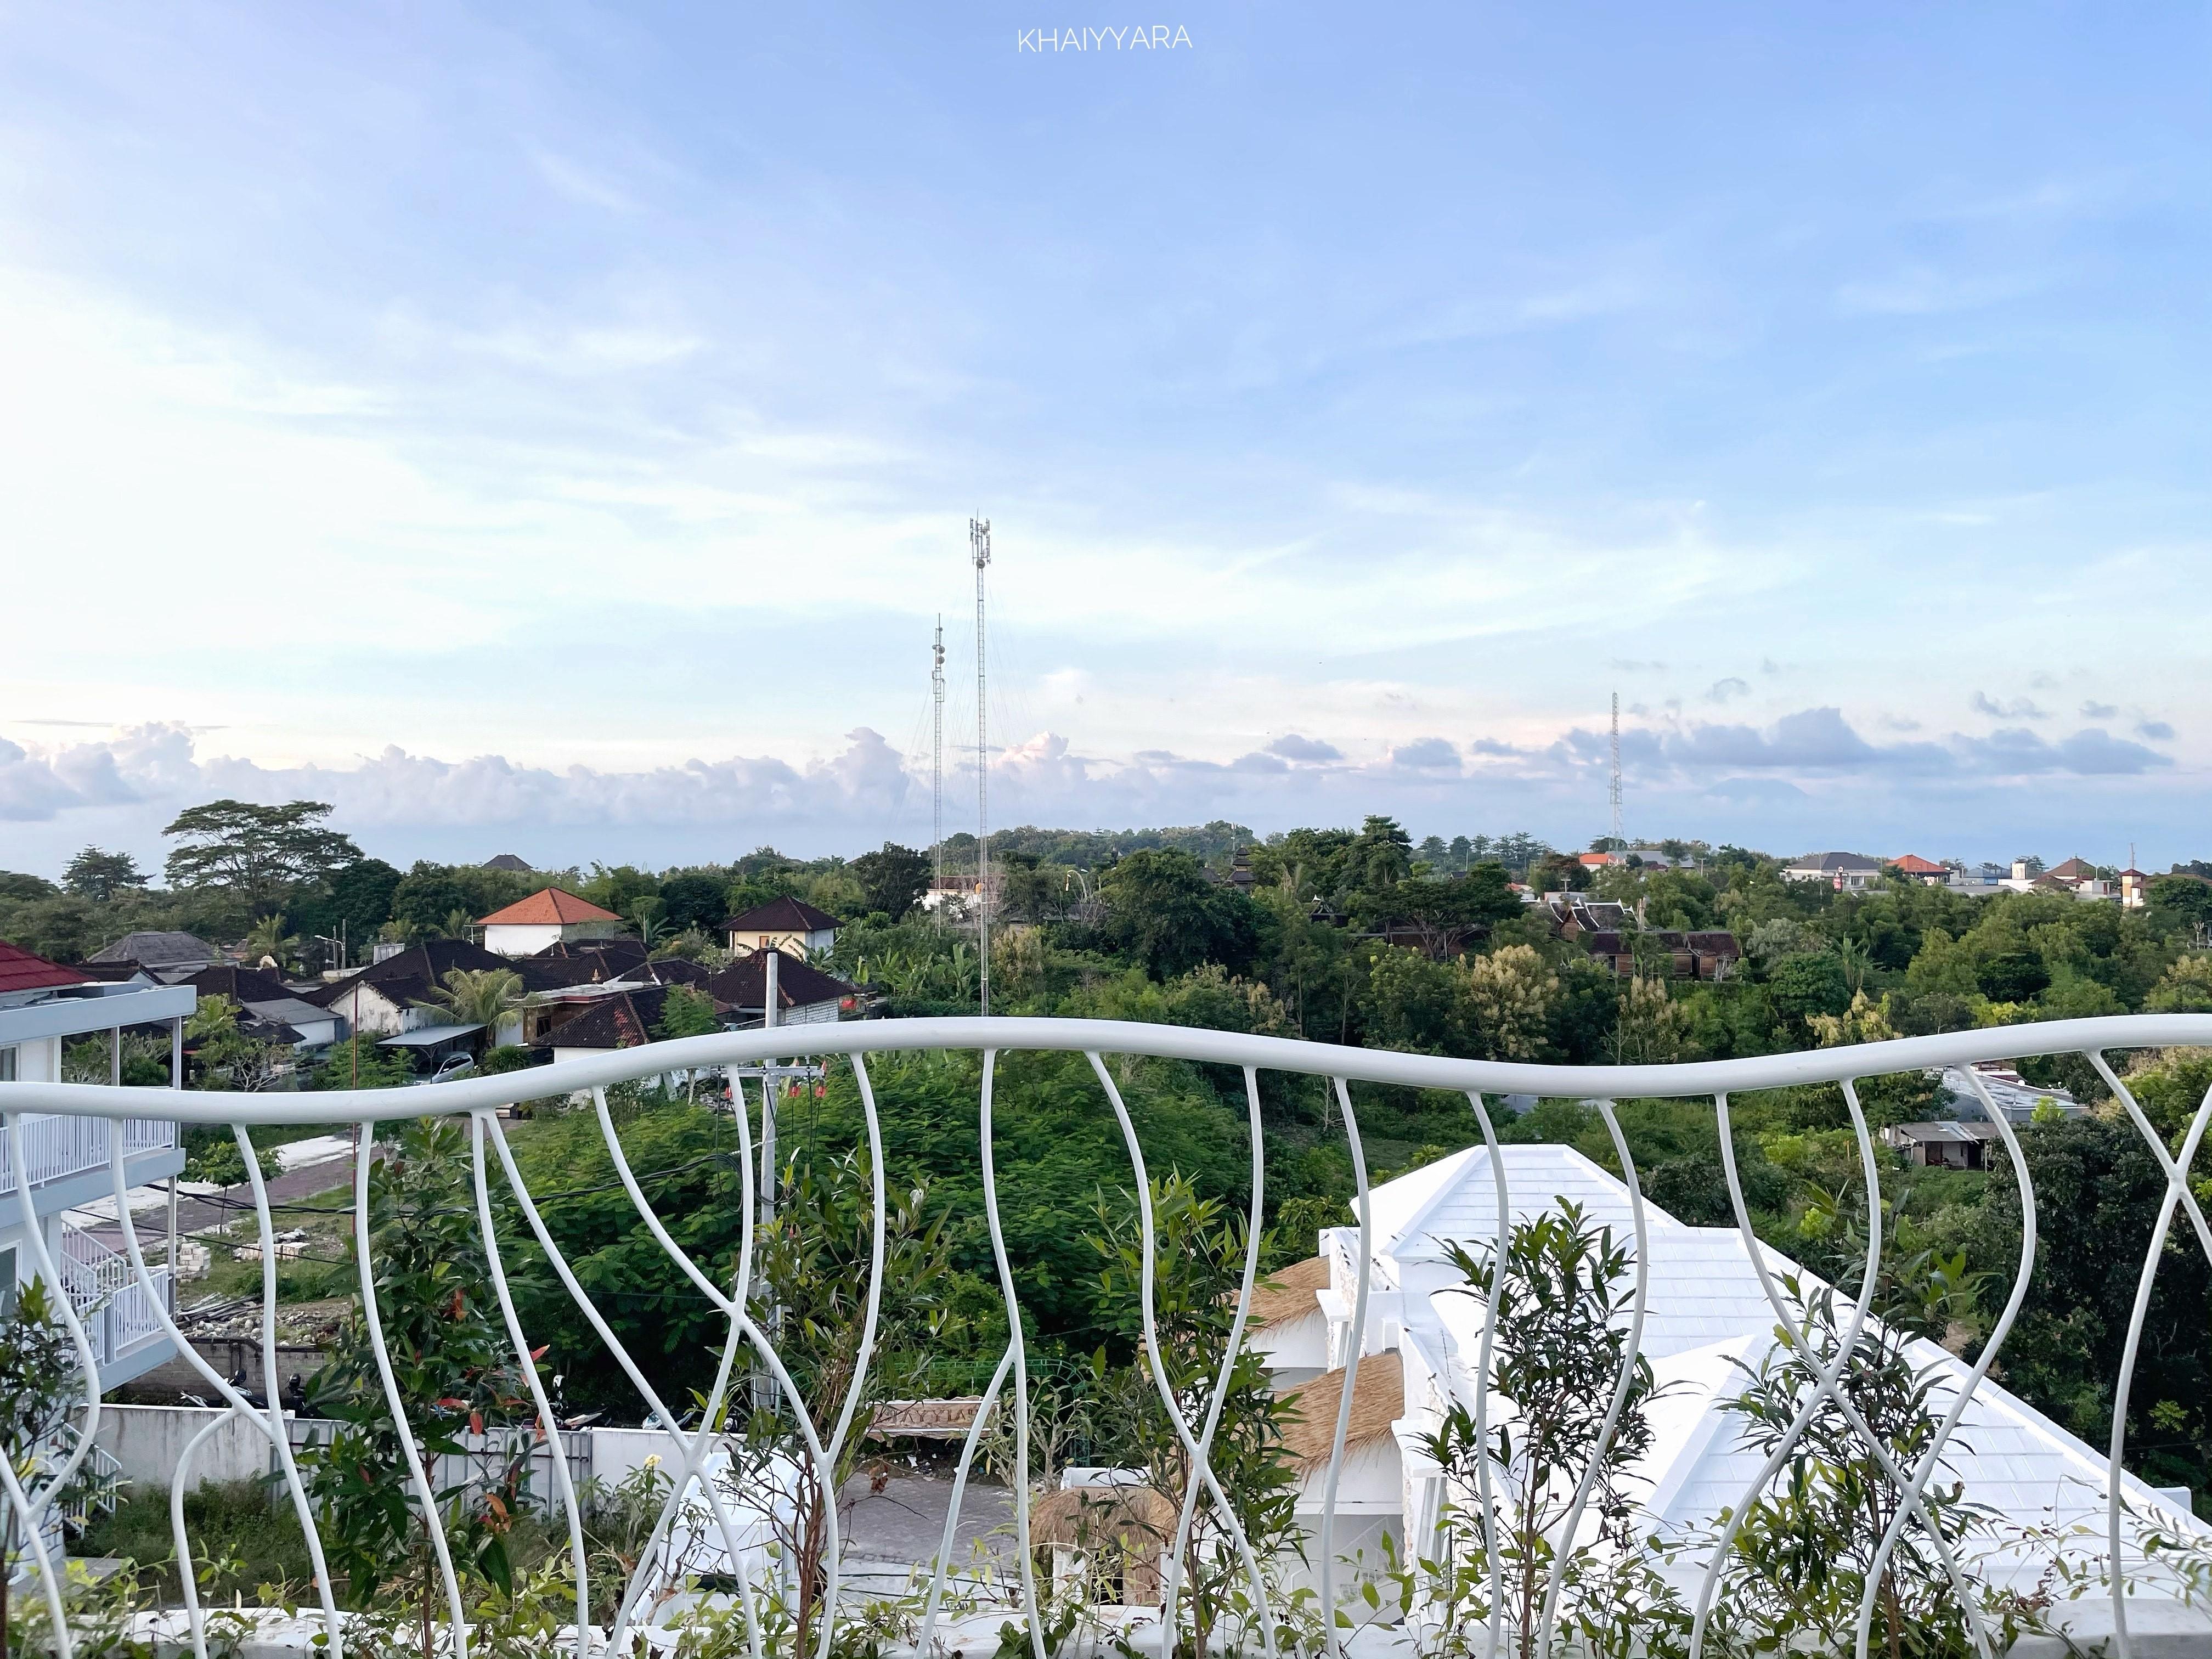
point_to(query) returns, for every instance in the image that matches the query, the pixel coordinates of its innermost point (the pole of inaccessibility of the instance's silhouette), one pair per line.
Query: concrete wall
(149, 1440)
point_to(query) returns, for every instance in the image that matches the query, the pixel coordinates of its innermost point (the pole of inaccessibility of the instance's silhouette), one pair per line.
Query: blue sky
(554, 429)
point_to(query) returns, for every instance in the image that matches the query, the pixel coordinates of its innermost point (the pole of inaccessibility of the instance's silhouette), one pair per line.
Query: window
(7, 1267)
(7, 1064)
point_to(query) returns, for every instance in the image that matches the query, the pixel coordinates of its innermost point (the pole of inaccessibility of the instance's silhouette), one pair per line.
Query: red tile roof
(21, 971)
(549, 907)
(1913, 864)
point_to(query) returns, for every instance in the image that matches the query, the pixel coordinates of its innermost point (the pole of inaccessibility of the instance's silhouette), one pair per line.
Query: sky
(555, 429)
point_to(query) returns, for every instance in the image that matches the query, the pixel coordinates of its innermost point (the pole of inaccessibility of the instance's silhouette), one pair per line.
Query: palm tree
(477, 996)
(267, 939)
(649, 914)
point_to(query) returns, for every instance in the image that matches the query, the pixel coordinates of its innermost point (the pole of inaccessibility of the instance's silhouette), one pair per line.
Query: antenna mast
(1615, 790)
(979, 549)
(937, 758)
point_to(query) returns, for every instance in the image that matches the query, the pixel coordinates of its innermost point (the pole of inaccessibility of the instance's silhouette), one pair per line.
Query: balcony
(57, 1146)
(1729, 1370)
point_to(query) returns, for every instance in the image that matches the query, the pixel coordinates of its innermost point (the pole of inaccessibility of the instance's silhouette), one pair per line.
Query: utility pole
(979, 547)
(1620, 840)
(937, 758)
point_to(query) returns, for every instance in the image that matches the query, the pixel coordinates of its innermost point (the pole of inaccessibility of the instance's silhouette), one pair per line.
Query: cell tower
(979, 549)
(937, 757)
(1614, 791)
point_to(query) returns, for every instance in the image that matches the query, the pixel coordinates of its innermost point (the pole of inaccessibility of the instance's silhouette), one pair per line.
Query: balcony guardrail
(56, 1146)
(813, 1456)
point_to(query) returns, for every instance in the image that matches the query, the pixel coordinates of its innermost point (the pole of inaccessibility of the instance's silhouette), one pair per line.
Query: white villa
(1705, 1312)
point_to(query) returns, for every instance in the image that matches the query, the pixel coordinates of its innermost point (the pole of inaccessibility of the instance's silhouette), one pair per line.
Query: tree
(696, 899)
(1563, 1291)
(227, 1057)
(1383, 856)
(98, 875)
(892, 880)
(1512, 994)
(478, 996)
(37, 1386)
(361, 898)
(259, 852)
(2185, 989)
(360, 1062)
(267, 937)
(686, 1013)
(1652, 1029)
(1161, 909)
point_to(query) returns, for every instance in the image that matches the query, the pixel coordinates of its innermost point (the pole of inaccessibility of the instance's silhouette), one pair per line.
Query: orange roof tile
(1913, 864)
(549, 907)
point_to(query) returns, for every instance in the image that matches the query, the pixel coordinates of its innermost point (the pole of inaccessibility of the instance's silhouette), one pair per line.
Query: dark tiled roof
(239, 984)
(20, 971)
(1714, 944)
(158, 951)
(623, 1020)
(783, 915)
(409, 976)
(624, 951)
(506, 861)
(744, 984)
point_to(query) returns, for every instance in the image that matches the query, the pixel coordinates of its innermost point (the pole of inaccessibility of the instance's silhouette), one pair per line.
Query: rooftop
(783, 915)
(20, 971)
(549, 907)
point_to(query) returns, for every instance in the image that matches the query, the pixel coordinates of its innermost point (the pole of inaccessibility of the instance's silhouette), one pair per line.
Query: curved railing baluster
(549, 1425)
(2176, 1187)
(1485, 1482)
(1826, 1376)
(1020, 1358)
(373, 1321)
(1198, 1449)
(1630, 1358)
(279, 1439)
(1355, 1340)
(33, 1502)
(687, 1453)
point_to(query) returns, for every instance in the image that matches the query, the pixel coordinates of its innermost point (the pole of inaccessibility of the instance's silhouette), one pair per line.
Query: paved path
(905, 1522)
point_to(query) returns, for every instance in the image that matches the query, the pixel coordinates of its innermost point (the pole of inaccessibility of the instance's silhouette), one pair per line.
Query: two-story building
(65, 1165)
(792, 926)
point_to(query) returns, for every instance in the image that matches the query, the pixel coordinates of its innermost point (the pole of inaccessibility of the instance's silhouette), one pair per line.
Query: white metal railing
(58, 1147)
(477, 1100)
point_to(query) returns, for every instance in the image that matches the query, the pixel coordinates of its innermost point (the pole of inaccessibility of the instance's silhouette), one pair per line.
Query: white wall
(149, 1440)
(519, 939)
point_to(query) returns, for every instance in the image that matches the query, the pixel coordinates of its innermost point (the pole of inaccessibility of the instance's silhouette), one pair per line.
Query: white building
(1705, 1312)
(45, 1008)
(1847, 873)
(792, 926)
(552, 916)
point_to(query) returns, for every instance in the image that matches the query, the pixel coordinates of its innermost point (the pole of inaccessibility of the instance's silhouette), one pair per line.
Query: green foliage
(687, 1012)
(360, 1063)
(1161, 909)
(454, 1371)
(892, 880)
(477, 996)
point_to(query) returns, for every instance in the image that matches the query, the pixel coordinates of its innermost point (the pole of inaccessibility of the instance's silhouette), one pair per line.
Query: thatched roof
(1288, 1294)
(1378, 1399)
(1138, 1519)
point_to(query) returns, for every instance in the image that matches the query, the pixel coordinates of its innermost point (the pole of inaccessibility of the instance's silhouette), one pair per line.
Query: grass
(232, 1522)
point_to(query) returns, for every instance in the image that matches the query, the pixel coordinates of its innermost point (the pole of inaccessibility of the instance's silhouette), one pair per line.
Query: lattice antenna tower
(979, 549)
(937, 757)
(1613, 791)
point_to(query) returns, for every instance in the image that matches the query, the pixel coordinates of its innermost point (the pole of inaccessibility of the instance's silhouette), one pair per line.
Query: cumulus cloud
(2158, 730)
(157, 764)
(1721, 691)
(2093, 710)
(1292, 747)
(2020, 709)
(1425, 754)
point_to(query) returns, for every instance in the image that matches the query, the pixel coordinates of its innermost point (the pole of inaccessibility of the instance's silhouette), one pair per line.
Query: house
(2015, 1097)
(1707, 1325)
(1919, 869)
(1942, 1145)
(1607, 932)
(792, 926)
(159, 950)
(1847, 873)
(44, 1008)
(585, 962)
(506, 861)
(1286, 1324)
(552, 916)
(620, 1017)
(2076, 876)
(2134, 888)
(269, 1003)
(805, 995)
(395, 997)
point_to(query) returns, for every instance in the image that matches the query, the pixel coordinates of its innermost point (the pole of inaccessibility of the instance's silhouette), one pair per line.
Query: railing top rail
(2123, 1031)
